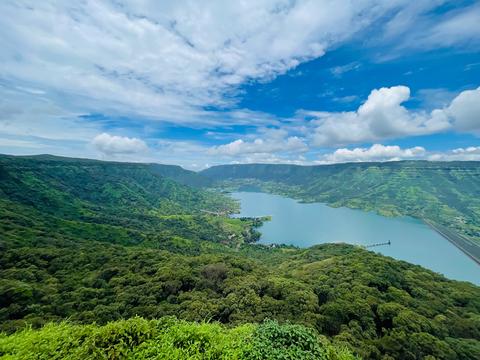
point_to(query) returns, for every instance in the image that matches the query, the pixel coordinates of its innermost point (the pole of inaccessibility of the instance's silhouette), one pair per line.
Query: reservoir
(304, 225)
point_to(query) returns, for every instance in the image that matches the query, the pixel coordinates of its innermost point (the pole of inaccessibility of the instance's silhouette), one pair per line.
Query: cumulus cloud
(113, 145)
(376, 152)
(475, 150)
(383, 116)
(239, 146)
(276, 140)
(471, 153)
(381, 153)
(465, 111)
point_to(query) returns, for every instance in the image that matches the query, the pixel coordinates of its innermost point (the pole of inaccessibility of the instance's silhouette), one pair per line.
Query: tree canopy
(127, 249)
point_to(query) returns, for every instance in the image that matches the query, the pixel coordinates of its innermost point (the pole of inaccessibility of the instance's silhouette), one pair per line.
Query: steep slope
(48, 198)
(70, 187)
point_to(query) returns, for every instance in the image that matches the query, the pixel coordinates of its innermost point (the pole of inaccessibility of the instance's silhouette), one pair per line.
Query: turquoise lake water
(305, 225)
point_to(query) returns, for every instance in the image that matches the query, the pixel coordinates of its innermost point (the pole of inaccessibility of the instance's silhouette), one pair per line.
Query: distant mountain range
(444, 194)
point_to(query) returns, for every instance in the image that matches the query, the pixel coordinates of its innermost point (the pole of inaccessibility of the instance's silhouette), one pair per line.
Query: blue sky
(278, 81)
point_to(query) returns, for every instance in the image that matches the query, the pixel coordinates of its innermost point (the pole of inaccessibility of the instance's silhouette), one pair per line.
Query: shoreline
(466, 246)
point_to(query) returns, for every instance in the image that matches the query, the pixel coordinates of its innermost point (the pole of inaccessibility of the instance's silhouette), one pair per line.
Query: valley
(443, 194)
(86, 244)
(308, 224)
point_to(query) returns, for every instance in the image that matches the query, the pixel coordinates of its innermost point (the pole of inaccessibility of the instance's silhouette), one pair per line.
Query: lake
(305, 225)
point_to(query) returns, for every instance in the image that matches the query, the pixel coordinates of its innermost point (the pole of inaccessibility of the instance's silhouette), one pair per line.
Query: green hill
(182, 176)
(73, 187)
(47, 198)
(97, 242)
(446, 194)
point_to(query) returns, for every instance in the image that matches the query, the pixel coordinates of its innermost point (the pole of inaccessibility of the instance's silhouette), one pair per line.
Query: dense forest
(115, 260)
(444, 194)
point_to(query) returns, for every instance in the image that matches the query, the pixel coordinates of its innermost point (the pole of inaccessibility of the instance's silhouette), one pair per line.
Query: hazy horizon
(159, 162)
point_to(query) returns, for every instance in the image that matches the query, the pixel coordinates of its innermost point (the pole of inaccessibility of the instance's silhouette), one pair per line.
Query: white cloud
(376, 152)
(434, 98)
(274, 141)
(35, 115)
(338, 71)
(112, 145)
(272, 159)
(465, 111)
(239, 147)
(414, 28)
(195, 155)
(173, 60)
(381, 153)
(346, 99)
(167, 60)
(17, 143)
(471, 153)
(457, 28)
(383, 116)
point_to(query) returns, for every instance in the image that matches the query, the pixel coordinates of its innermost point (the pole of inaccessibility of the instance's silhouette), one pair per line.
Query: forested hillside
(80, 187)
(60, 198)
(444, 193)
(180, 175)
(95, 242)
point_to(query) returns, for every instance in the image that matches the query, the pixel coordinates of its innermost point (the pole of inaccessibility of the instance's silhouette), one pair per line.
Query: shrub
(168, 338)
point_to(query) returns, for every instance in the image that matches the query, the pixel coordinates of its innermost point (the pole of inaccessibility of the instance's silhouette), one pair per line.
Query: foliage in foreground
(376, 306)
(169, 338)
